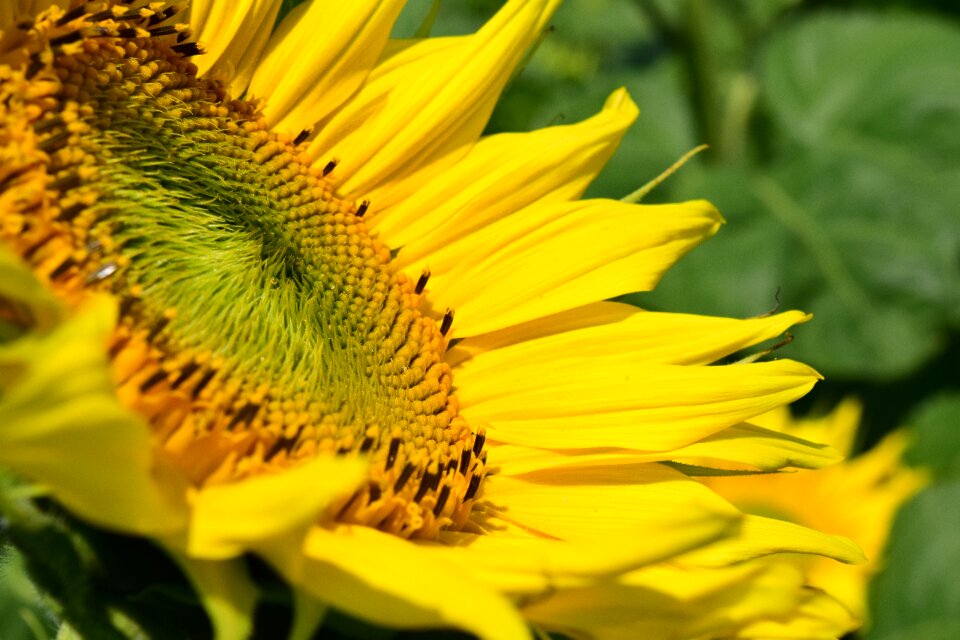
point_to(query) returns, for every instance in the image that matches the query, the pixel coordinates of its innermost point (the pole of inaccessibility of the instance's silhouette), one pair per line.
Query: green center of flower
(260, 323)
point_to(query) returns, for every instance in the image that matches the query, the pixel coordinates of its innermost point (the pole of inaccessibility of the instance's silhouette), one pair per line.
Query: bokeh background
(834, 133)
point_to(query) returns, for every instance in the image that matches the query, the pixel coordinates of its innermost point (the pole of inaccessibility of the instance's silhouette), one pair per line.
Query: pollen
(260, 323)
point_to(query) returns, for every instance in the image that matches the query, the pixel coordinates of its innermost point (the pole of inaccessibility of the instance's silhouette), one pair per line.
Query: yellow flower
(229, 292)
(857, 498)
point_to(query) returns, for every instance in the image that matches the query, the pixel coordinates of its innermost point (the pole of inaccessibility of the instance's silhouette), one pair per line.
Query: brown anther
(188, 370)
(404, 477)
(422, 282)
(188, 49)
(428, 482)
(165, 30)
(66, 183)
(303, 135)
(362, 209)
(202, 384)
(55, 141)
(102, 15)
(441, 500)
(465, 461)
(152, 381)
(392, 452)
(71, 15)
(35, 65)
(157, 327)
(73, 36)
(472, 488)
(478, 441)
(163, 15)
(329, 167)
(72, 211)
(447, 322)
(29, 253)
(247, 413)
(62, 268)
(117, 347)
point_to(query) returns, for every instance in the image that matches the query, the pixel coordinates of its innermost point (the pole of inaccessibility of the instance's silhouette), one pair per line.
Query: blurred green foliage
(834, 133)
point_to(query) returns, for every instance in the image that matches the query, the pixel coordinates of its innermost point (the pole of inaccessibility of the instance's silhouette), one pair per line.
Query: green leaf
(22, 616)
(854, 213)
(866, 109)
(918, 594)
(935, 430)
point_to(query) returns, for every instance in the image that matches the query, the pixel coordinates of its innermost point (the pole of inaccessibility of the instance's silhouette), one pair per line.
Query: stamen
(447, 322)
(188, 49)
(471, 492)
(152, 381)
(403, 477)
(441, 500)
(479, 440)
(422, 282)
(303, 135)
(188, 370)
(167, 13)
(392, 453)
(166, 30)
(71, 15)
(362, 209)
(73, 36)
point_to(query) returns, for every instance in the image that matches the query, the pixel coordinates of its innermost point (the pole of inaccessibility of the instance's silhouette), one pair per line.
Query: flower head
(287, 300)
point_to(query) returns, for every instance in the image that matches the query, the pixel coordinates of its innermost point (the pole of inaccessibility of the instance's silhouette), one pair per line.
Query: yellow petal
(765, 536)
(395, 583)
(318, 56)
(746, 447)
(58, 407)
(229, 519)
(226, 591)
(33, 307)
(816, 617)
(553, 257)
(500, 175)
(599, 504)
(662, 338)
(421, 105)
(670, 603)
(743, 447)
(511, 560)
(231, 33)
(838, 428)
(613, 402)
(590, 315)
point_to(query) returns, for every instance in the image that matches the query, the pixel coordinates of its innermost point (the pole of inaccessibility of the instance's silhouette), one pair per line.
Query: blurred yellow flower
(857, 498)
(229, 327)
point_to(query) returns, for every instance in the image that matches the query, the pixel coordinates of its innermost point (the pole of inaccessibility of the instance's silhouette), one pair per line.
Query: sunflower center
(260, 324)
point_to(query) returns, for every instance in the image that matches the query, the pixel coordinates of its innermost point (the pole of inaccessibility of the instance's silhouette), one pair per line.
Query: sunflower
(269, 291)
(857, 498)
